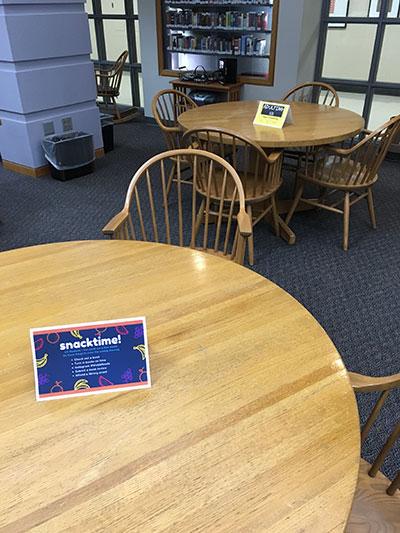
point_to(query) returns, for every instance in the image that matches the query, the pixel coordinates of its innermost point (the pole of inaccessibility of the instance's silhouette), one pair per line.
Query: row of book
(253, 21)
(222, 2)
(247, 45)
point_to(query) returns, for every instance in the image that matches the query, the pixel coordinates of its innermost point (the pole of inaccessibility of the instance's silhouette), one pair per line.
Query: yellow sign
(273, 114)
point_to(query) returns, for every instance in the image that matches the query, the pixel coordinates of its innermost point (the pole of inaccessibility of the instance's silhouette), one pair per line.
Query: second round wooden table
(250, 425)
(313, 124)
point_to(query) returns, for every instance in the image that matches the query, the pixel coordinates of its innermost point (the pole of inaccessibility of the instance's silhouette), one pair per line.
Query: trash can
(107, 129)
(70, 155)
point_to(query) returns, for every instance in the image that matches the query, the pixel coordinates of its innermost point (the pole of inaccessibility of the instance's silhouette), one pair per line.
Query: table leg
(284, 231)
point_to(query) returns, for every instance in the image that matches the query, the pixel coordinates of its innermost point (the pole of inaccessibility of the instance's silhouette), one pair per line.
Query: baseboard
(38, 172)
(27, 171)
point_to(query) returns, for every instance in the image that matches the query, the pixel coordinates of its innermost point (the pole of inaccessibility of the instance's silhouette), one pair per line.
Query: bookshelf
(198, 32)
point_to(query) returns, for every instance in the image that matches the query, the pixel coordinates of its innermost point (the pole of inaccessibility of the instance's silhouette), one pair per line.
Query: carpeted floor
(354, 295)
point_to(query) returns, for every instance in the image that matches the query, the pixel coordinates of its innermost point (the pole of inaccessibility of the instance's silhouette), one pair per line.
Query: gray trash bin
(70, 155)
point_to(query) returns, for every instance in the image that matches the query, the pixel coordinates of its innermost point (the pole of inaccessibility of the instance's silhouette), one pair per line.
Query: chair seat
(338, 177)
(254, 191)
(107, 91)
(373, 510)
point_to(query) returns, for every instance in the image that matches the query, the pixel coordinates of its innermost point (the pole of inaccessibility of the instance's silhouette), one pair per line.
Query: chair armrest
(361, 383)
(244, 223)
(112, 227)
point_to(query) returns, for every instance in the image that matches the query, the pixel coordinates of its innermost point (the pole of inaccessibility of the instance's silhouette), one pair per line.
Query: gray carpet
(354, 295)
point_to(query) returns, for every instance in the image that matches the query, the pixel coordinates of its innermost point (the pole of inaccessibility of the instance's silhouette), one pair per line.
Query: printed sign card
(273, 115)
(90, 358)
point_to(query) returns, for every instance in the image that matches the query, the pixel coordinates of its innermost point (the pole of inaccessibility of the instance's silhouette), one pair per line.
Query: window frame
(371, 86)
(132, 65)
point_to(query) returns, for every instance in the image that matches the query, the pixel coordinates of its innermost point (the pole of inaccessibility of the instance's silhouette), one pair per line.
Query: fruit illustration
(127, 376)
(122, 330)
(142, 375)
(40, 363)
(39, 343)
(57, 385)
(104, 382)
(142, 349)
(53, 338)
(81, 384)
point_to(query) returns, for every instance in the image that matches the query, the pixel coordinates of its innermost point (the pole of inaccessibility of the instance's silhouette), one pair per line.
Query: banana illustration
(75, 333)
(40, 363)
(81, 384)
(142, 349)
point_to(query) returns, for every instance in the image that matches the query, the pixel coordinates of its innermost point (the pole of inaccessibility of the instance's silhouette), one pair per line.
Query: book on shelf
(247, 45)
(252, 20)
(221, 2)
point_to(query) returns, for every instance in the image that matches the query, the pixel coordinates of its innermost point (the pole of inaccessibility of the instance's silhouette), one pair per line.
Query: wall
(45, 75)
(310, 29)
(295, 58)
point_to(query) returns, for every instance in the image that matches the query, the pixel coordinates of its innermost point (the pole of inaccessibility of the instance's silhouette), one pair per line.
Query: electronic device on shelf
(228, 68)
(226, 73)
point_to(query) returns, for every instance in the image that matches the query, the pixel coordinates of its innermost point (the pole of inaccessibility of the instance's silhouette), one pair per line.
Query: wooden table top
(250, 425)
(313, 124)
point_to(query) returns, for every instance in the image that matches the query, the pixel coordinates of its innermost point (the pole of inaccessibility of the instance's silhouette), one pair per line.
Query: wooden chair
(349, 172)
(260, 173)
(183, 217)
(109, 82)
(376, 506)
(313, 92)
(166, 106)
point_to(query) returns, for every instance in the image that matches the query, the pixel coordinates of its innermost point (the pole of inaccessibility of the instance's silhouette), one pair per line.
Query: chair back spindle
(181, 216)
(384, 385)
(109, 80)
(167, 105)
(260, 173)
(313, 92)
(356, 166)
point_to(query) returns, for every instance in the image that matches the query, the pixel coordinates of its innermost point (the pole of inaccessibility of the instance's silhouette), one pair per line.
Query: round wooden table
(250, 425)
(313, 124)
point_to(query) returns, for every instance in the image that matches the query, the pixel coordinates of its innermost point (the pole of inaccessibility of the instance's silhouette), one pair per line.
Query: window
(358, 55)
(114, 27)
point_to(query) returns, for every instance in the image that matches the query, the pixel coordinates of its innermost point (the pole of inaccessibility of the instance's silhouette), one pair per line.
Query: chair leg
(346, 221)
(116, 109)
(371, 207)
(296, 180)
(322, 194)
(171, 178)
(395, 485)
(275, 215)
(250, 240)
(295, 203)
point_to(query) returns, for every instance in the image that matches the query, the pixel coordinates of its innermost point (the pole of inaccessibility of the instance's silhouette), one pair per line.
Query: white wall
(295, 56)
